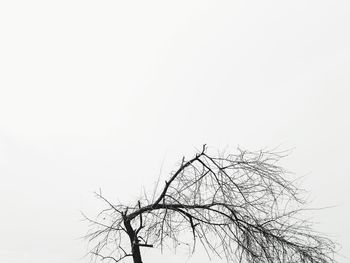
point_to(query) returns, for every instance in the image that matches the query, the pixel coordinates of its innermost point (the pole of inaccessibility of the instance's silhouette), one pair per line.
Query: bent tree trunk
(135, 248)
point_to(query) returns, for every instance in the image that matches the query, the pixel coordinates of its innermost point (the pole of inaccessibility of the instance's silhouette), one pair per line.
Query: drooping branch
(240, 205)
(111, 258)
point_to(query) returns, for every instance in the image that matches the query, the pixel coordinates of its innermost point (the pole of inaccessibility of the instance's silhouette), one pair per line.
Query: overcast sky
(98, 94)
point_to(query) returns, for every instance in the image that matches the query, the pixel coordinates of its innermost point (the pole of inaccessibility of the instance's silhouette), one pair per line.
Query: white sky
(100, 93)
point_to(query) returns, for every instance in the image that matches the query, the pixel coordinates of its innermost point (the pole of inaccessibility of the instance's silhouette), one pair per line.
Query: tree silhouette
(237, 206)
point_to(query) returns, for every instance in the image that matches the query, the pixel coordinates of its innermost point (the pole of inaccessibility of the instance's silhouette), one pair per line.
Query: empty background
(106, 94)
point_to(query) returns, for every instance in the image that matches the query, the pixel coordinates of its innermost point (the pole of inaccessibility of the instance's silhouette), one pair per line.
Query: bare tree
(240, 206)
